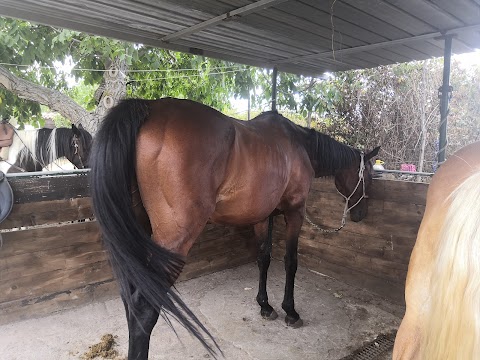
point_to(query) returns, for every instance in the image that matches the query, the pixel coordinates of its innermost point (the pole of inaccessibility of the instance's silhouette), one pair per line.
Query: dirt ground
(338, 319)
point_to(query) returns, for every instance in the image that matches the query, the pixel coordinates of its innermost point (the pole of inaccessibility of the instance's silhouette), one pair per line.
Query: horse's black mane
(328, 153)
(63, 143)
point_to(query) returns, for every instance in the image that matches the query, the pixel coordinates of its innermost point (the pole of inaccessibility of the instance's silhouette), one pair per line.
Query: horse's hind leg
(141, 321)
(264, 241)
(142, 317)
(294, 221)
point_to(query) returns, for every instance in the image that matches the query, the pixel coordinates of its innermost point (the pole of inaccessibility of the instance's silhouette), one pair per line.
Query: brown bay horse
(161, 169)
(442, 293)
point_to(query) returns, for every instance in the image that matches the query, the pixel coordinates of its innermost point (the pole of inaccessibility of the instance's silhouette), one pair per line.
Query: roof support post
(445, 93)
(274, 88)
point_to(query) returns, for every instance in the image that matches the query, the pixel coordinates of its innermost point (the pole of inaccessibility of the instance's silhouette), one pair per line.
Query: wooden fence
(373, 253)
(52, 258)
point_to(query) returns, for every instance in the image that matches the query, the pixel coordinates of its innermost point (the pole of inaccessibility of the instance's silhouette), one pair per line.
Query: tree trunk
(309, 118)
(114, 89)
(54, 99)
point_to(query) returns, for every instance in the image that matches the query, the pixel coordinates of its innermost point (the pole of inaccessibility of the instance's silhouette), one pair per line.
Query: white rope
(346, 209)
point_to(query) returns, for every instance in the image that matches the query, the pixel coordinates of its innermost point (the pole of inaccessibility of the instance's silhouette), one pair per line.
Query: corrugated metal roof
(300, 36)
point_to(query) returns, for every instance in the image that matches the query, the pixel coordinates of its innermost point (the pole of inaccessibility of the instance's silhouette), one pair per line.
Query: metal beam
(445, 94)
(382, 44)
(244, 10)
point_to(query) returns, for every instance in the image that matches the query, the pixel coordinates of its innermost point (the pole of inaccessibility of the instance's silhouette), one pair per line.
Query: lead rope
(346, 209)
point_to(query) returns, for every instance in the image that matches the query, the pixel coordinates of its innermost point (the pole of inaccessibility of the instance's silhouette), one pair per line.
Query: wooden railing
(52, 258)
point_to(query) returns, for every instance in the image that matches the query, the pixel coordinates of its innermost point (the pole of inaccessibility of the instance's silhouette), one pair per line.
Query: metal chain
(328, 231)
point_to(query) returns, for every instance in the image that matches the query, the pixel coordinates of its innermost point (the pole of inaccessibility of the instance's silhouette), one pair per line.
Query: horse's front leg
(293, 220)
(141, 321)
(263, 237)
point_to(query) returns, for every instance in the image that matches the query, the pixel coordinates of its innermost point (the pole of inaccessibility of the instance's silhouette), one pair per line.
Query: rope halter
(75, 143)
(346, 209)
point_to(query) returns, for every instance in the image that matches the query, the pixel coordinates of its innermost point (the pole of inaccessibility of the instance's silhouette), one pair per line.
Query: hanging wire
(183, 76)
(239, 68)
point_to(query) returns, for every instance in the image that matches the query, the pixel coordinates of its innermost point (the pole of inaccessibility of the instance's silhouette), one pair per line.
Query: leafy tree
(102, 67)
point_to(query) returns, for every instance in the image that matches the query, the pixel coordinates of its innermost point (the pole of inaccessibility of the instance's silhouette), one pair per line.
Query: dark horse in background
(33, 150)
(161, 169)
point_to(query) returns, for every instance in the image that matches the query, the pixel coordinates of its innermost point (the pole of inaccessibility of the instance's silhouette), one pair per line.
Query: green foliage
(161, 73)
(157, 72)
(82, 94)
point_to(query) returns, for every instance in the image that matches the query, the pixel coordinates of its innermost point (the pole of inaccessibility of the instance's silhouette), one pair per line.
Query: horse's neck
(39, 148)
(328, 155)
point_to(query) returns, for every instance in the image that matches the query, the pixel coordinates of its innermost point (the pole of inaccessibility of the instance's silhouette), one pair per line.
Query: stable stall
(55, 274)
(350, 282)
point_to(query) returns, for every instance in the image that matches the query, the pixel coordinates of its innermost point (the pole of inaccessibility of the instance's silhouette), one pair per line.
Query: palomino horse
(33, 150)
(442, 320)
(166, 167)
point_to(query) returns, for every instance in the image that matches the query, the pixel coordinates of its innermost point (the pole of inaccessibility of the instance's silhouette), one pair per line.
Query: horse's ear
(80, 126)
(372, 153)
(76, 130)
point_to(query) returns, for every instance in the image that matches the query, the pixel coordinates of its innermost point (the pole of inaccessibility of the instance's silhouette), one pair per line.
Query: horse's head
(80, 147)
(353, 183)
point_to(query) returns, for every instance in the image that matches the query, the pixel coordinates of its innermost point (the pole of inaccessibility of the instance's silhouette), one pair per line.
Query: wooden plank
(41, 261)
(379, 285)
(352, 260)
(355, 260)
(391, 219)
(54, 281)
(396, 249)
(226, 261)
(32, 240)
(405, 192)
(48, 212)
(393, 291)
(393, 190)
(43, 188)
(63, 300)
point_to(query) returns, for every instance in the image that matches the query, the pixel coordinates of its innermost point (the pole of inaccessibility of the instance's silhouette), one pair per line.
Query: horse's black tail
(136, 260)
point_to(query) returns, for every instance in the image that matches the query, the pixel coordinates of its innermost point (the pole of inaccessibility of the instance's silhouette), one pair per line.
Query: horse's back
(426, 284)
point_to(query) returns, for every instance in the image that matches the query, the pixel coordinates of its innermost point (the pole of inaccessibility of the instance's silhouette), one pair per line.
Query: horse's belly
(243, 209)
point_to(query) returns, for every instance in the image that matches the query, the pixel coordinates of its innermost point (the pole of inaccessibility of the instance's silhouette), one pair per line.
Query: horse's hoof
(293, 323)
(272, 316)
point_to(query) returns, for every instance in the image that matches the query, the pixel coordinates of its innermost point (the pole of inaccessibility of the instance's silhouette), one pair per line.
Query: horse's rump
(452, 330)
(442, 319)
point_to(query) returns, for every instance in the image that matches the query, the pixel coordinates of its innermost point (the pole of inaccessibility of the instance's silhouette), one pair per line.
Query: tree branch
(54, 99)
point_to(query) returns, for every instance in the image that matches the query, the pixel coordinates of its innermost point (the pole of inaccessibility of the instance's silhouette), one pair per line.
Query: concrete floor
(338, 320)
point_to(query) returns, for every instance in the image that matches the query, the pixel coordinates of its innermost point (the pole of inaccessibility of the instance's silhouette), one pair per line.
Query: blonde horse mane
(452, 330)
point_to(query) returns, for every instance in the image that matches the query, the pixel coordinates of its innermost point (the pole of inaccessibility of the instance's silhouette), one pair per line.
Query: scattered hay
(104, 349)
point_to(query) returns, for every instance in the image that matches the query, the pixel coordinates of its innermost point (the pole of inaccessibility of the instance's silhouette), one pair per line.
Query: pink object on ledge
(408, 167)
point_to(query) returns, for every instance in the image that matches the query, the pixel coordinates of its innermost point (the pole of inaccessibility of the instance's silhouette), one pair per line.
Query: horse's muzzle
(359, 212)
